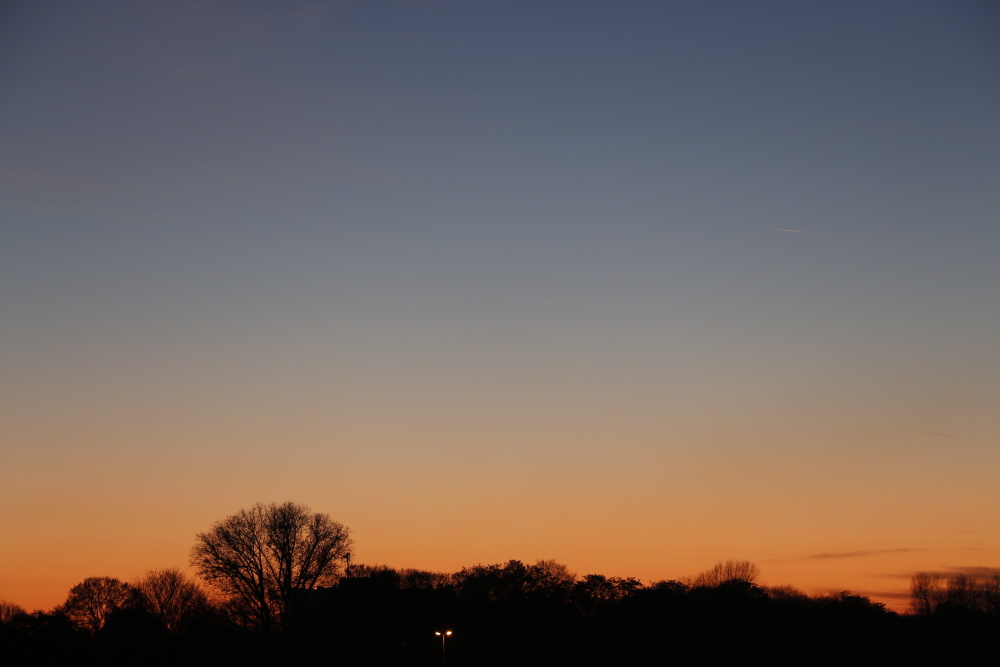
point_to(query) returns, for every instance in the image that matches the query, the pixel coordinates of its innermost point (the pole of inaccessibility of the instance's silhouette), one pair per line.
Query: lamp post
(443, 634)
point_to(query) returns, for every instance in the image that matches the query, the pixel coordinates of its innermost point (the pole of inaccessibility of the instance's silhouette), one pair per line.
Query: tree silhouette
(957, 595)
(502, 614)
(724, 571)
(991, 595)
(9, 610)
(172, 597)
(265, 556)
(514, 580)
(962, 595)
(597, 588)
(92, 601)
(550, 576)
(925, 593)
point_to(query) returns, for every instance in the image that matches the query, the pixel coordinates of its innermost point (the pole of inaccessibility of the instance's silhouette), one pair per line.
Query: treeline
(957, 595)
(281, 592)
(499, 614)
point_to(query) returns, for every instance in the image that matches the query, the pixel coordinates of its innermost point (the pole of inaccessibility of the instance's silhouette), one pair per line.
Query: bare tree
(991, 595)
(9, 610)
(173, 598)
(926, 593)
(963, 595)
(729, 570)
(960, 593)
(92, 601)
(265, 556)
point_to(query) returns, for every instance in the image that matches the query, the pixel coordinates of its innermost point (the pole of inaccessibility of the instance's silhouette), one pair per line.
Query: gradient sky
(637, 286)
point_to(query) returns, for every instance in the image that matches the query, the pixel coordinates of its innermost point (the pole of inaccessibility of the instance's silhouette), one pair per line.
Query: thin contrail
(797, 231)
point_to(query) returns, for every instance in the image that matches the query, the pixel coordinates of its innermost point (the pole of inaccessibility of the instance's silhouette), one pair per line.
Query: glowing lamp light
(443, 635)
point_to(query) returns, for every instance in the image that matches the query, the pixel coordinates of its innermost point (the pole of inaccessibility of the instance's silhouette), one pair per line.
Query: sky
(636, 286)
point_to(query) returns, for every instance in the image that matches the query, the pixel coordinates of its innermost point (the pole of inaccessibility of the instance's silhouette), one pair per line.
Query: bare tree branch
(263, 555)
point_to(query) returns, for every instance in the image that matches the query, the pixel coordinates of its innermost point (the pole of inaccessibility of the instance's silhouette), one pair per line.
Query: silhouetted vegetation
(958, 595)
(509, 613)
(92, 602)
(262, 558)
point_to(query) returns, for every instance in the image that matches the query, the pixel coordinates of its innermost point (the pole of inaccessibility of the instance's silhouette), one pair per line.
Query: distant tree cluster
(9, 611)
(955, 595)
(280, 590)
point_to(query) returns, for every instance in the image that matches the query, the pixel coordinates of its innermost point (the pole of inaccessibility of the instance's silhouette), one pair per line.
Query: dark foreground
(373, 622)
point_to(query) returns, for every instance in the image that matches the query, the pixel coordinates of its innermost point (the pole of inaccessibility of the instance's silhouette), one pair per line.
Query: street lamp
(443, 635)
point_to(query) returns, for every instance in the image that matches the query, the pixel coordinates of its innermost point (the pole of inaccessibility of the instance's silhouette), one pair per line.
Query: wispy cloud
(971, 571)
(975, 571)
(859, 554)
(889, 595)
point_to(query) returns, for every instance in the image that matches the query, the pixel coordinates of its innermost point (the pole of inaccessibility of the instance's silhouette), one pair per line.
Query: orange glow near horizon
(878, 564)
(817, 519)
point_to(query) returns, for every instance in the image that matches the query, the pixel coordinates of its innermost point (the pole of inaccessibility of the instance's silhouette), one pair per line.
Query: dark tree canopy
(92, 601)
(172, 597)
(264, 555)
(508, 613)
(9, 611)
(514, 579)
